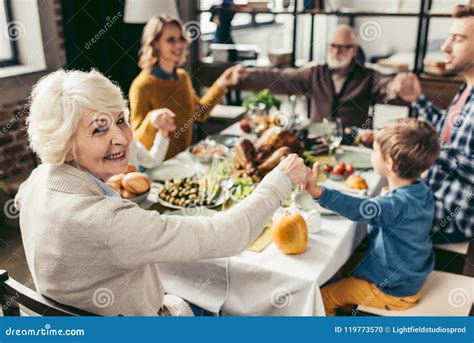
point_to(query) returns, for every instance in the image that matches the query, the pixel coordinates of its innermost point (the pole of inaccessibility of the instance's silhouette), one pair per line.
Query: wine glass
(334, 132)
(223, 171)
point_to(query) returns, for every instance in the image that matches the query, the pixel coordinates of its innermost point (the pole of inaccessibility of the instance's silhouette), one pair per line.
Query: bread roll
(135, 182)
(114, 186)
(356, 182)
(115, 181)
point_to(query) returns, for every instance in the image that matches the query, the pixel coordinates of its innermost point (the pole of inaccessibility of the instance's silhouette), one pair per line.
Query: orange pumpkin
(290, 234)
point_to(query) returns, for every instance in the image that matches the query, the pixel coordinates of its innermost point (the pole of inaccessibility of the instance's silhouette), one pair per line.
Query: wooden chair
(13, 294)
(455, 258)
(444, 294)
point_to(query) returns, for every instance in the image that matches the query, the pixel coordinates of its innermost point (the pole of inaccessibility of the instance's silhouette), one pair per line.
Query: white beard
(338, 64)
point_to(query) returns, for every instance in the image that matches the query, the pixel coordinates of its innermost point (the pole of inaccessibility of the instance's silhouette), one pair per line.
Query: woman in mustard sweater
(161, 84)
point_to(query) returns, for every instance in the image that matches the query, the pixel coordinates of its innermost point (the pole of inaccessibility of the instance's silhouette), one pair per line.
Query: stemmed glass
(334, 132)
(223, 171)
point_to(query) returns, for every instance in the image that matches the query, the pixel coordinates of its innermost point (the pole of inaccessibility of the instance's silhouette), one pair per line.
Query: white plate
(305, 202)
(221, 199)
(141, 198)
(192, 212)
(171, 170)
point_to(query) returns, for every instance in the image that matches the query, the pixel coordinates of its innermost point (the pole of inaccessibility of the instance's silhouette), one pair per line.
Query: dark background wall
(96, 37)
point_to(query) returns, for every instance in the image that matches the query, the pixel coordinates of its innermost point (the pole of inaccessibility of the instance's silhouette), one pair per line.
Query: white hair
(58, 101)
(347, 29)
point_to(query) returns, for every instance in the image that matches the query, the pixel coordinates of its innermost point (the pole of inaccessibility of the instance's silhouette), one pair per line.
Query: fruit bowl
(339, 172)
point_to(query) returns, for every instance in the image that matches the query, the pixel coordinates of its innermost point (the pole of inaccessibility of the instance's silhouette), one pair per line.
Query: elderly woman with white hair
(80, 238)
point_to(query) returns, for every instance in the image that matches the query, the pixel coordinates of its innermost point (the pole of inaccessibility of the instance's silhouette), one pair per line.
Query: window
(10, 31)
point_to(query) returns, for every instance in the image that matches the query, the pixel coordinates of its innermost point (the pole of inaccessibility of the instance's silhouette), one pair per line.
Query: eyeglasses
(174, 40)
(341, 47)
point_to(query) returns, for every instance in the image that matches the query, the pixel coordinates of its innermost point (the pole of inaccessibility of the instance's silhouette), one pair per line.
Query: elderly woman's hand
(163, 120)
(293, 166)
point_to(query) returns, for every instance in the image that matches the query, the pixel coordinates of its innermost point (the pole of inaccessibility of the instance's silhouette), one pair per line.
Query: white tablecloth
(269, 282)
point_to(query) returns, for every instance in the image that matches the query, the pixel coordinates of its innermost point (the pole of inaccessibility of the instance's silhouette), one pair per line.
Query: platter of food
(241, 188)
(191, 192)
(256, 159)
(205, 150)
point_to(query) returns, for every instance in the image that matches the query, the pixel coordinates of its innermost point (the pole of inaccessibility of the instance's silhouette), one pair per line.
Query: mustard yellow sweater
(148, 92)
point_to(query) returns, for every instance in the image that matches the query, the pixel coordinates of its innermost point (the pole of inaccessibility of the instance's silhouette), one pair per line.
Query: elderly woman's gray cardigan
(82, 245)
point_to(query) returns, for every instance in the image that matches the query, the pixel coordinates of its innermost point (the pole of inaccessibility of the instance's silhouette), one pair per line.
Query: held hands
(406, 86)
(231, 76)
(163, 120)
(312, 187)
(293, 166)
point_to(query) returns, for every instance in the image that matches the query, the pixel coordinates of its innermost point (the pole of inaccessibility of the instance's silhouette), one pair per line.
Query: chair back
(13, 294)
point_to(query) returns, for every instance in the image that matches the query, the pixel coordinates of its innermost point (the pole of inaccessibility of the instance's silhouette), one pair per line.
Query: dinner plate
(171, 170)
(192, 212)
(220, 200)
(226, 139)
(359, 159)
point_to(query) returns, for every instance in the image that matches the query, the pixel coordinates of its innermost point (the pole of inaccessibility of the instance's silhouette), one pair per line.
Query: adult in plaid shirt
(452, 176)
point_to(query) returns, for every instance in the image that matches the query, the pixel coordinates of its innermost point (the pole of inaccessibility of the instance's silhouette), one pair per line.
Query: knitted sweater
(148, 93)
(101, 254)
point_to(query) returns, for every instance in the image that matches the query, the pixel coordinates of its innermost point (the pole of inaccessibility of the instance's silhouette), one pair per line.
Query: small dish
(141, 198)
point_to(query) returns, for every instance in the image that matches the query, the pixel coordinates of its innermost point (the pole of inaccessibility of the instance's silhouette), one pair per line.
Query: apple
(349, 169)
(327, 168)
(339, 170)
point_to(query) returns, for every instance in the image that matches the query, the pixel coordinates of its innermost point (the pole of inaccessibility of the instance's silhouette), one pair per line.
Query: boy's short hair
(412, 144)
(463, 11)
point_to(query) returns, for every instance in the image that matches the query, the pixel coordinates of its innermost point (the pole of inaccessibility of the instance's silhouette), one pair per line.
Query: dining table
(267, 283)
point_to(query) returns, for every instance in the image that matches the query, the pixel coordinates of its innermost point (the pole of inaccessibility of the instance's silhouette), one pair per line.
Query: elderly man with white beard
(340, 88)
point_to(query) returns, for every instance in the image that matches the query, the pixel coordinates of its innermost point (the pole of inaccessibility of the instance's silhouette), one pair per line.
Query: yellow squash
(290, 234)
